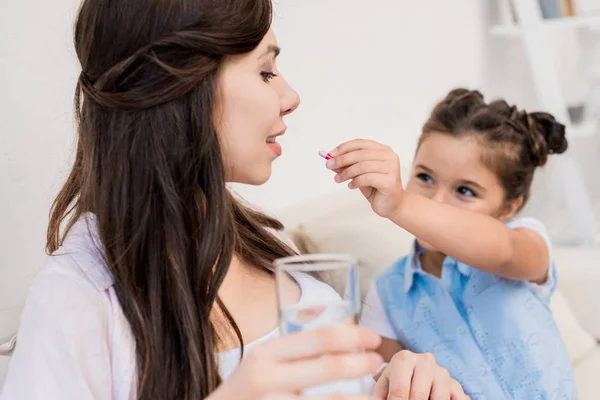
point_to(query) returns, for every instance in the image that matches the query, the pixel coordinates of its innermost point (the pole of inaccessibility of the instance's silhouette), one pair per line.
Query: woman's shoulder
(70, 293)
(62, 295)
(67, 320)
(81, 256)
(73, 275)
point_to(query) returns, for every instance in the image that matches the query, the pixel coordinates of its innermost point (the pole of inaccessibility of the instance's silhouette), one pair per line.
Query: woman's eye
(424, 177)
(465, 191)
(267, 76)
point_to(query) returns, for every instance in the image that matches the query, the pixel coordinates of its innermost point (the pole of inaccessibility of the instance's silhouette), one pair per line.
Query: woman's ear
(510, 208)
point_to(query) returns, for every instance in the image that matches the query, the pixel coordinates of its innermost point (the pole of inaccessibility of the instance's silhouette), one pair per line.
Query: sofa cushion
(586, 376)
(374, 241)
(579, 343)
(579, 280)
(3, 368)
(9, 323)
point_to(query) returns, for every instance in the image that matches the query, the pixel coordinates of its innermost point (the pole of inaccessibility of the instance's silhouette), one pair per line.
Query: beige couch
(344, 223)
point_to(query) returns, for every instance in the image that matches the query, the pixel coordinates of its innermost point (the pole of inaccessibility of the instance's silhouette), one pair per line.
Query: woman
(159, 275)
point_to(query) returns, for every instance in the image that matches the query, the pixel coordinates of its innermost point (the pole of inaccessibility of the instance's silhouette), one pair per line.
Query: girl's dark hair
(149, 167)
(515, 142)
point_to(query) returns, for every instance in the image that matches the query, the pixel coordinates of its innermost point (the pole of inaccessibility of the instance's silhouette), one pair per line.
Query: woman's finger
(361, 168)
(356, 144)
(314, 343)
(357, 156)
(299, 375)
(442, 385)
(319, 397)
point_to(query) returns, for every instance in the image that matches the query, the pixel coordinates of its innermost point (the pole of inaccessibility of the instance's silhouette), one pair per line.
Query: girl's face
(252, 99)
(450, 170)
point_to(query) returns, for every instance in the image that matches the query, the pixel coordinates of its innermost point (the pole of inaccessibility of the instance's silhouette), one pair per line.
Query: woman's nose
(290, 100)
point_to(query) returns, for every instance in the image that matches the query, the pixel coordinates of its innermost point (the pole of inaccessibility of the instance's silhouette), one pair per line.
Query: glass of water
(320, 305)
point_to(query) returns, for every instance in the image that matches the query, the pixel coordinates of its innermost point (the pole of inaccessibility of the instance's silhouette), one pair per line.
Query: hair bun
(465, 100)
(458, 105)
(547, 136)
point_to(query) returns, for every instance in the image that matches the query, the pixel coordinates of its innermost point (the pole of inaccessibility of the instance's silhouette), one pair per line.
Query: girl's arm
(475, 239)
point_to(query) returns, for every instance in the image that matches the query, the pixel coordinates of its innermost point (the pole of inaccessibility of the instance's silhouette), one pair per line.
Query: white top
(312, 290)
(74, 341)
(374, 316)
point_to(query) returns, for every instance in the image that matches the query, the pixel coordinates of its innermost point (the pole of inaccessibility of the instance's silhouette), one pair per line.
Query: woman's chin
(254, 177)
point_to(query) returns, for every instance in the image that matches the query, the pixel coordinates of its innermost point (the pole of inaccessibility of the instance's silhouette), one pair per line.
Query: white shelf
(591, 22)
(532, 29)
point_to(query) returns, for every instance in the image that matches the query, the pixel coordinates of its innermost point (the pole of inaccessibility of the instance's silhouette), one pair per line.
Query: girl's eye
(465, 191)
(267, 76)
(424, 177)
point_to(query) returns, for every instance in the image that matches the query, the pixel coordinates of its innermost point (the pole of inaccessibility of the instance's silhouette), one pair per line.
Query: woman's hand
(282, 368)
(374, 169)
(411, 376)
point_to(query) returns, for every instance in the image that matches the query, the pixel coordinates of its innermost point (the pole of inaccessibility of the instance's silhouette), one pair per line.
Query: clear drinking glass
(324, 307)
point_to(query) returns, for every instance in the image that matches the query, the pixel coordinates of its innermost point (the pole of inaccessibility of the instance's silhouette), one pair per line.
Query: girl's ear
(509, 209)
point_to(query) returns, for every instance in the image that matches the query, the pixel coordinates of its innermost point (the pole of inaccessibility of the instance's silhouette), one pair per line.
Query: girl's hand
(374, 169)
(282, 368)
(411, 376)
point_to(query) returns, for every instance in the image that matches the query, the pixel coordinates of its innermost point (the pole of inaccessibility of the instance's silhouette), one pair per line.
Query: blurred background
(371, 69)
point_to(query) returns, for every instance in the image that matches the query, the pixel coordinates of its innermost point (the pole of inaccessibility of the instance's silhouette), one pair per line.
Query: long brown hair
(149, 167)
(517, 142)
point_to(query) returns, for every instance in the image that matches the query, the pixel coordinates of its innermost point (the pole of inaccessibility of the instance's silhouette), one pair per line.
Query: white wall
(37, 79)
(362, 71)
(365, 71)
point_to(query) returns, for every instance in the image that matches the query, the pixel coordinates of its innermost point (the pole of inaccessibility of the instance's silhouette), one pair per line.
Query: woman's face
(252, 98)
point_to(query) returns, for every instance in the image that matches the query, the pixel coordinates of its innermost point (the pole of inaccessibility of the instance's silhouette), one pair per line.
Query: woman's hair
(149, 167)
(514, 142)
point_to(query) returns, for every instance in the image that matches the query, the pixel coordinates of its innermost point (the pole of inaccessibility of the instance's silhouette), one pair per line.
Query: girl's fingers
(423, 378)
(357, 144)
(442, 385)
(395, 381)
(457, 392)
(381, 182)
(361, 168)
(354, 157)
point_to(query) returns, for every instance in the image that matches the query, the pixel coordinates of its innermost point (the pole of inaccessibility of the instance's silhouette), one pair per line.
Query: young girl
(475, 288)
(158, 275)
